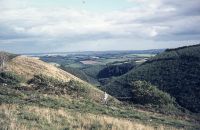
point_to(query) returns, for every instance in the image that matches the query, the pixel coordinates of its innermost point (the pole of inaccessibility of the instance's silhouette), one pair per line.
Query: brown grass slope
(27, 67)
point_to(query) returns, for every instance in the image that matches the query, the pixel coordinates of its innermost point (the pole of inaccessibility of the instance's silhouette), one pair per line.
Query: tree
(3, 60)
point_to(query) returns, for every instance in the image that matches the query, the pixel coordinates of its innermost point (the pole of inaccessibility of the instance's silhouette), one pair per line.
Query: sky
(37, 26)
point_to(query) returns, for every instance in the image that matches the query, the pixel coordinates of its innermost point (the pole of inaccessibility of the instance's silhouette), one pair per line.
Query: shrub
(145, 93)
(10, 78)
(51, 85)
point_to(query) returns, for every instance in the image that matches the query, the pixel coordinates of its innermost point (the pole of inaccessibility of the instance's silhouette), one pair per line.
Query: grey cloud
(7, 32)
(173, 20)
(181, 23)
(185, 8)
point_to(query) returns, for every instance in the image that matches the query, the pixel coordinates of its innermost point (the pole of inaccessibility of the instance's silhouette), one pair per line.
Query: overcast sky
(96, 25)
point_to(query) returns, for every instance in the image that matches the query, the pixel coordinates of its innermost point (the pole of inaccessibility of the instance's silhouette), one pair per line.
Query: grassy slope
(31, 117)
(35, 110)
(21, 107)
(28, 67)
(175, 71)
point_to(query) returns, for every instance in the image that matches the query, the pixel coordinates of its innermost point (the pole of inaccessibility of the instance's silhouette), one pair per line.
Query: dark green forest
(175, 71)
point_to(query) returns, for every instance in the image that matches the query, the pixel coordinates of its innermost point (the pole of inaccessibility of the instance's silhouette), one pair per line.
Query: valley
(68, 95)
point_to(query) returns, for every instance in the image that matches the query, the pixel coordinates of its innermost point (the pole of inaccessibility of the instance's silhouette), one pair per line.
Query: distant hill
(150, 51)
(175, 71)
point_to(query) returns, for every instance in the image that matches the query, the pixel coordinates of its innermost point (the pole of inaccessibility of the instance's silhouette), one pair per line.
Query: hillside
(36, 95)
(115, 70)
(87, 74)
(28, 67)
(175, 71)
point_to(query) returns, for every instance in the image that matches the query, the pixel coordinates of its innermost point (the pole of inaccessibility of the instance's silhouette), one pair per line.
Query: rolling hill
(28, 68)
(175, 71)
